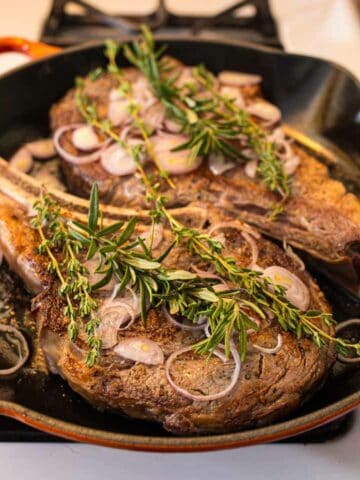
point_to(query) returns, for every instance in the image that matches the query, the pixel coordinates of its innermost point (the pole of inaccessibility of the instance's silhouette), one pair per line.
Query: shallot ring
(25, 349)
(254, 248)
(75, 159)
(205, 398)
(272, 350)
(189, 328)
(114, 307)
(242, 227)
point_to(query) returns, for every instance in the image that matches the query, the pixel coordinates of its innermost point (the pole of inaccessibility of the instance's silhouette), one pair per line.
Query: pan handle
(33, 50)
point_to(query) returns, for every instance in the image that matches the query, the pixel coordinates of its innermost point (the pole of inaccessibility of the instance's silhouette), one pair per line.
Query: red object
(33, 50)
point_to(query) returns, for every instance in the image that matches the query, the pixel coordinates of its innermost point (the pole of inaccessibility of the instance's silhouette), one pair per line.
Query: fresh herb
(95, 74)
(111, 51)
(125, 257)
(202, 245)
(276, 209)
(211, 121)
(258, 289)
(75, 288)
(130, 262)
(270, 167)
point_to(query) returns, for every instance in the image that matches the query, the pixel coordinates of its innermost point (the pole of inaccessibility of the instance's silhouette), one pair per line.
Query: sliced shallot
(118, 112)
(22, 160)
(142, 93)
(238, 79)
(172, 126)
(296, 292)
(249, 154)
(291, 164)
(114, 316)
(182, 326)
(205, 274)
(265, 111)
(251, 168)
(218, 165)
(254, 248)
(186, 77)
(175, 163)
(76, 159)
(154, 116)
(233, 93)
(214, 396)
(84, 138)
(94, 276)
(242, 227)
(277, 135)
(20, 342)
(290, 252)
(140, 349)
(157, 238)
(117, 161)
(272, 350)
(42, 149)
(284, 150)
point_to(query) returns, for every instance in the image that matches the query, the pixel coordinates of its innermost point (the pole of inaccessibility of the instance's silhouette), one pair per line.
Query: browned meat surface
(269, 387)
(320, 217)
(18, 246)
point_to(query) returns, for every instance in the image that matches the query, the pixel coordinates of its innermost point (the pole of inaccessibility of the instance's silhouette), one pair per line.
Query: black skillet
(317, 98)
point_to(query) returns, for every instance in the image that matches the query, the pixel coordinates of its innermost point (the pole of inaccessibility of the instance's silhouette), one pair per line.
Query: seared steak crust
(269, 387)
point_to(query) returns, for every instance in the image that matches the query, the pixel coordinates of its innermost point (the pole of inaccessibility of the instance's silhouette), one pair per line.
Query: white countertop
(339, 460)
(334, 37)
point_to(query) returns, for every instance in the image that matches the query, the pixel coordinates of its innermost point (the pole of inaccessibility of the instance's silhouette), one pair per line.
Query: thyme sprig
(63, 252)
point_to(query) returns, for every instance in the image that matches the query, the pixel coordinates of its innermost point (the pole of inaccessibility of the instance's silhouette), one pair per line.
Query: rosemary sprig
(256, 286)
(130, 261)
(270, 167)
(210, 128)
(111, 50)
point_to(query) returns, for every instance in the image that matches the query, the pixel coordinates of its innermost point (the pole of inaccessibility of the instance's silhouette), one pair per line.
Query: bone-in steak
(269, 387)
(320, 217)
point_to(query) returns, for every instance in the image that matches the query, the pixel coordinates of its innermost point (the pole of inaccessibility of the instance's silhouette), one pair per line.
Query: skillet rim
(204, 39)
(270, 433)
(173, 444)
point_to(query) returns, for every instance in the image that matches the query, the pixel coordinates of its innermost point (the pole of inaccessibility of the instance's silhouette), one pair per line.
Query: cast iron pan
(316, 97)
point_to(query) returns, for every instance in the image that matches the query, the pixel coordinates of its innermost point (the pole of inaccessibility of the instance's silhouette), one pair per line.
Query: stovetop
(249, 20)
